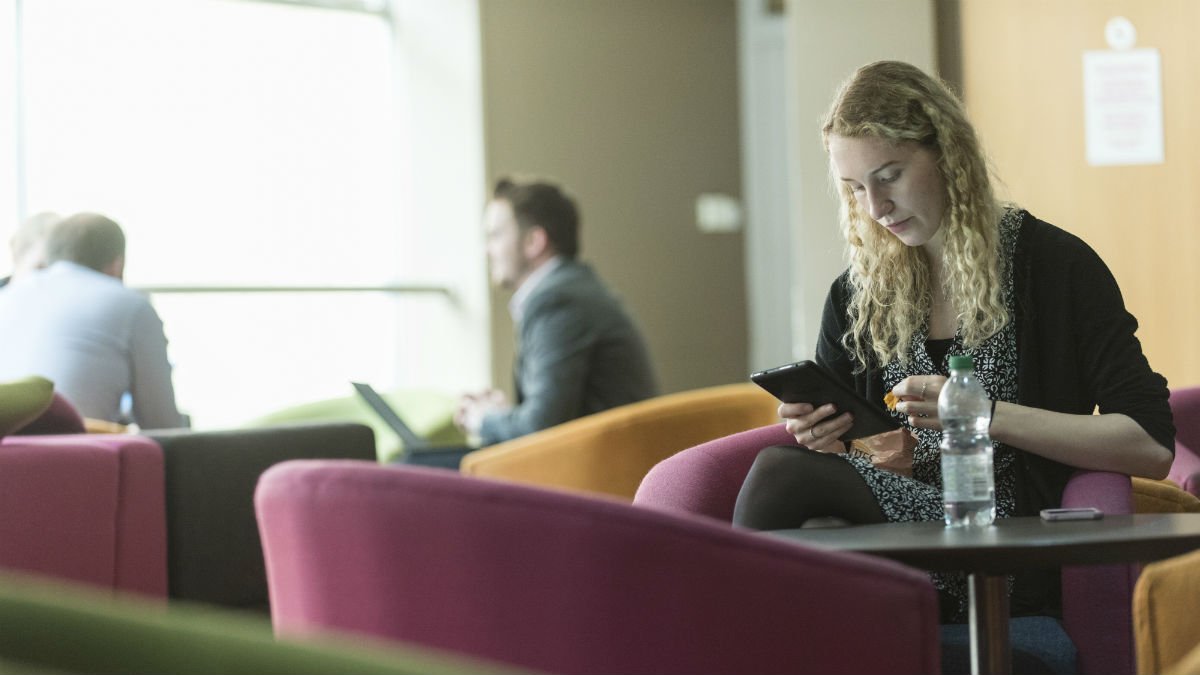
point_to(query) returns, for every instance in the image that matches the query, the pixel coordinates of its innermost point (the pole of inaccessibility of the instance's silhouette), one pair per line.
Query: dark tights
(788, 485)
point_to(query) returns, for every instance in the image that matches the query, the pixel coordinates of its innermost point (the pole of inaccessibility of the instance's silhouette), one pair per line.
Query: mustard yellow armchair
(611, 451)
(1162, 496)
(1165, 621)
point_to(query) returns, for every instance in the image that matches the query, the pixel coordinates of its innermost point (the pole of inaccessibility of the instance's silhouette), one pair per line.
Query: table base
(991, 653)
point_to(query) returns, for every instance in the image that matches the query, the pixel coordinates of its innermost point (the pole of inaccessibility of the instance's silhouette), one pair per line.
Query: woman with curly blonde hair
(937, 268)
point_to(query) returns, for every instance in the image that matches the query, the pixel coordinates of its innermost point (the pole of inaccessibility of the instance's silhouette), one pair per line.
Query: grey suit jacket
(578, 353)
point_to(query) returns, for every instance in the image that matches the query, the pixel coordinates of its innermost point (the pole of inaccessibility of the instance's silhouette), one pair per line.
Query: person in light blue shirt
(77, 324)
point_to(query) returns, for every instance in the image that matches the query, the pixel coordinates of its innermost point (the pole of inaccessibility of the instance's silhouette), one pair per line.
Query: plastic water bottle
(967, 480)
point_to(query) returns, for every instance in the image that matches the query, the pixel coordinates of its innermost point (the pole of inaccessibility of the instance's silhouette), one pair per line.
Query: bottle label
(967, 478)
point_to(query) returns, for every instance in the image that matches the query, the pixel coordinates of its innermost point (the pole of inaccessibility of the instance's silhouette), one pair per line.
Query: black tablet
(808, 382)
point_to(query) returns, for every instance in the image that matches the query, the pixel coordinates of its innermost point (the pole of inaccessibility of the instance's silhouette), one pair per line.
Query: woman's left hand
(918, 396)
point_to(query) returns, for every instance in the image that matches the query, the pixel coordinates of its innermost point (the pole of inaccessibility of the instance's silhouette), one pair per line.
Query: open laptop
(417, 450)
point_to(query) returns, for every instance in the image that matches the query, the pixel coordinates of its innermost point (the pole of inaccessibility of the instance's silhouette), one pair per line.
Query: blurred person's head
(527, 224)
(29, 242)
(90, 240)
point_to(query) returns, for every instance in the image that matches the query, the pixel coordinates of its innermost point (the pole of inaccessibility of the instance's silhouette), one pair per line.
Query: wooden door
(1022, 69)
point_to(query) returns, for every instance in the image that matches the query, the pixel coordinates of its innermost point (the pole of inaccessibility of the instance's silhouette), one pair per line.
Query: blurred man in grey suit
(578, 350)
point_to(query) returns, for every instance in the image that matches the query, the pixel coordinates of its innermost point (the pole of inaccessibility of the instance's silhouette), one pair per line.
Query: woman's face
(898, 185)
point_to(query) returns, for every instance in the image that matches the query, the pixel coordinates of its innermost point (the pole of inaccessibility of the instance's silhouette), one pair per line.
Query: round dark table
(989, 554)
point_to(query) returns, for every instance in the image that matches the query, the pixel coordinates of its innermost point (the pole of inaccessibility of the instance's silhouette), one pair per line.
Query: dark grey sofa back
(213, 550)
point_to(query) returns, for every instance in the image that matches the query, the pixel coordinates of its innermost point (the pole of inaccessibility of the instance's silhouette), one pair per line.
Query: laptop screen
(410, 439)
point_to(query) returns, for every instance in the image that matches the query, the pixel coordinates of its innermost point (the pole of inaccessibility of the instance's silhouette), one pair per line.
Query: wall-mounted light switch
(716, 212)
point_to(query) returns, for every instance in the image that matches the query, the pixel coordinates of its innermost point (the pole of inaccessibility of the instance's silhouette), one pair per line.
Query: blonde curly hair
(891, 282)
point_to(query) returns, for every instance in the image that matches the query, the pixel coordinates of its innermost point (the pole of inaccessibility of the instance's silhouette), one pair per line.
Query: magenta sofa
(204, 484)
(85, 508)
(569, 583)
(705, 480)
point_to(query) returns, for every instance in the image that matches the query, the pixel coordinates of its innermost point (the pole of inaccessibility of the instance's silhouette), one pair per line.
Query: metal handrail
(387, 288)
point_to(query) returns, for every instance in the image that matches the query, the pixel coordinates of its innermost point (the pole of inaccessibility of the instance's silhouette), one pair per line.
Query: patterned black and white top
(919, 498)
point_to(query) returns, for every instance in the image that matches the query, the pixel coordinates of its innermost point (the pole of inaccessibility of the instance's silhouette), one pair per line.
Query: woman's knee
(781, 461)
(776, 456)
(787, 485)
(769, 486)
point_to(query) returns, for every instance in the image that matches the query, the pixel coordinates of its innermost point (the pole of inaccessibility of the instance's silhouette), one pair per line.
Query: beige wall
(633, 105)
(829, 40)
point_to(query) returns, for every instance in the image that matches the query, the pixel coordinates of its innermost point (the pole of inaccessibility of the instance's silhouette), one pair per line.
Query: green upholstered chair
(22, 401)
(64, 628)
(429, 413)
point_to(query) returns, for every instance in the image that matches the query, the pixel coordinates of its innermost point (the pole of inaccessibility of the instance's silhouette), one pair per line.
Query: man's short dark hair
(87, 239)
(545, 205)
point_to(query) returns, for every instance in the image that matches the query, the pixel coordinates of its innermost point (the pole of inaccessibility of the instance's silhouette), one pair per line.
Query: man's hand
(473, 407)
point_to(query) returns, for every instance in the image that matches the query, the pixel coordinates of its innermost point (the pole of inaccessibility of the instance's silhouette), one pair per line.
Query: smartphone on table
(1079, 513)
(808, 382)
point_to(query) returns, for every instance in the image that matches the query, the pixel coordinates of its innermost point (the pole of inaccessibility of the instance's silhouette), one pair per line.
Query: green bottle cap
(961, 362)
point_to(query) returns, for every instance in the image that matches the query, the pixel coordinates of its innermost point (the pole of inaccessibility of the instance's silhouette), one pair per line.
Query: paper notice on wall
(1122, 107)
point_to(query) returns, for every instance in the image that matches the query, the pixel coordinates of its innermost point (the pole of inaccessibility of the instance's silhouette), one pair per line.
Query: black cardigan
(1076, 350)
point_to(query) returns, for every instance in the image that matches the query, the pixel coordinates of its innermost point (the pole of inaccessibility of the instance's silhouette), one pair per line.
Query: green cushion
(21, 401)
(429, 413)
(56, 627)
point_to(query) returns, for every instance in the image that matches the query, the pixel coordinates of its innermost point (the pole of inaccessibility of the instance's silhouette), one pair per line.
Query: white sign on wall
(1122, 91)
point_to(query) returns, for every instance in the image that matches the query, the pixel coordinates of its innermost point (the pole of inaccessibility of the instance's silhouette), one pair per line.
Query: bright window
(237, 143)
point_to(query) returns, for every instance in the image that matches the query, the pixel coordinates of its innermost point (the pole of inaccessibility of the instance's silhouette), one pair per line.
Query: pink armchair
(705, 480)
(1185, 471)
(573, 583)
(84, 508)
(204, 480)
